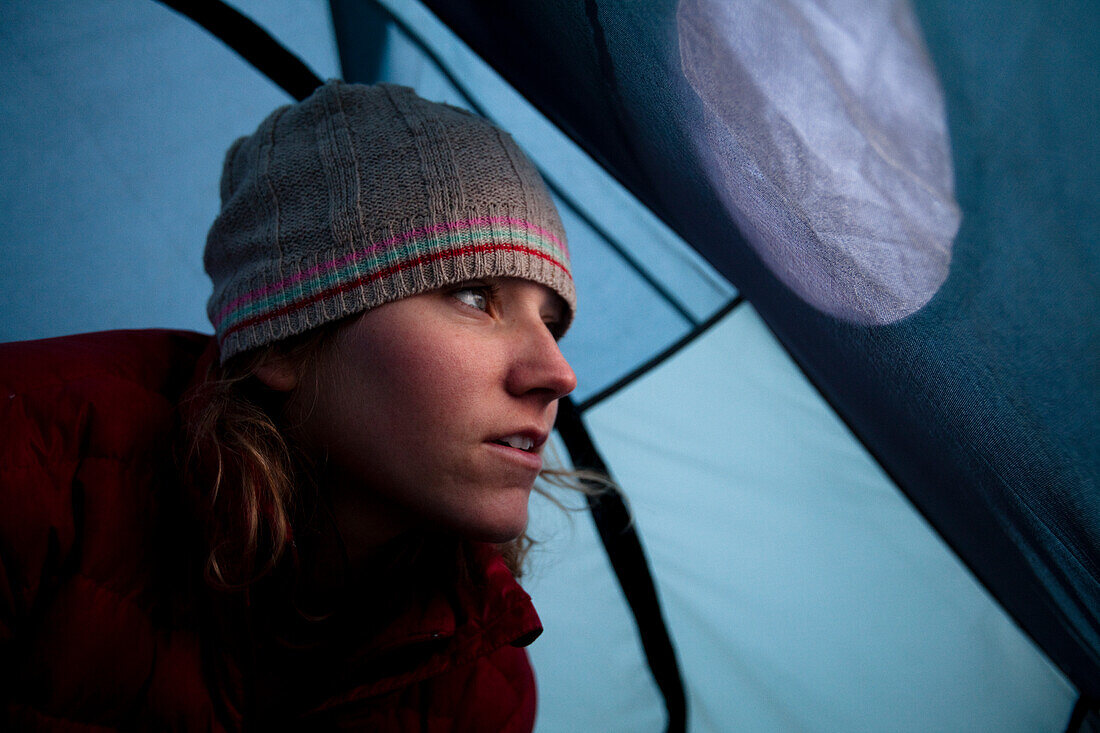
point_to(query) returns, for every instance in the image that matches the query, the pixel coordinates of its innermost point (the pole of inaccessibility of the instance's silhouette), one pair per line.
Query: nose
(540, 368)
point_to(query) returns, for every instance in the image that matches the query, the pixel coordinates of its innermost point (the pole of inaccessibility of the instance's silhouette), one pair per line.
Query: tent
(837, 338)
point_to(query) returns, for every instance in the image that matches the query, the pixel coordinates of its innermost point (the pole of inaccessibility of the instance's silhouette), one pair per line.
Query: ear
(278, 374)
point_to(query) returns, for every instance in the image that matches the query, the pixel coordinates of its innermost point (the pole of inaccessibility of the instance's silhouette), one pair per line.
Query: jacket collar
(453, 627)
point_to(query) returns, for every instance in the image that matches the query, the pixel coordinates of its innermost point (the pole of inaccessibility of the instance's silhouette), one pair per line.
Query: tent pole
(655, 361)
(624, 549)
(1085, 717)
(252, 43)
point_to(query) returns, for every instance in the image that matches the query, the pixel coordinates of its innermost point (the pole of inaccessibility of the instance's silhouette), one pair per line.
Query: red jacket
(92, 631)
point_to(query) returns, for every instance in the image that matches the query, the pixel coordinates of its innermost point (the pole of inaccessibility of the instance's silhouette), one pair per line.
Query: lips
(517, 441)
(528, 441)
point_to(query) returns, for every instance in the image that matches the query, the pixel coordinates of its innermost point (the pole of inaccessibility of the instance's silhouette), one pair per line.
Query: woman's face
(432, 411)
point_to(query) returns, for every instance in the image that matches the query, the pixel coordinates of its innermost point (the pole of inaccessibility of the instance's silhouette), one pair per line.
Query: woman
(314, 518)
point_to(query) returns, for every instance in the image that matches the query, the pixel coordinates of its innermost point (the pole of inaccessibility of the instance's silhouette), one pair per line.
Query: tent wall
(116, 116)
(803, 590)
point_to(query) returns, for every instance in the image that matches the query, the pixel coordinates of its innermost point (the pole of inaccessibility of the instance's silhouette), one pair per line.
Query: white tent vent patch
(825, 134)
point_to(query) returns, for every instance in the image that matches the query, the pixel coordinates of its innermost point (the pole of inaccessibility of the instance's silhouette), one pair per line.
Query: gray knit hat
(361, 195)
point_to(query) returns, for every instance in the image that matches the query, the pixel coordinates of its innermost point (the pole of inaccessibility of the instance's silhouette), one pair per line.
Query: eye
(475, 296)
(553, 317)
(554, 326)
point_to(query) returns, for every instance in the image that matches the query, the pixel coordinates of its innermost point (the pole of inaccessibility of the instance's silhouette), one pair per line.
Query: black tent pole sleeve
(655, 361)
(1085, 716)
(620, 539)
(252, 43)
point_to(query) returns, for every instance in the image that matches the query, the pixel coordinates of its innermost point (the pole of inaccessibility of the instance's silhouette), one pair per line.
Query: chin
(499, 529)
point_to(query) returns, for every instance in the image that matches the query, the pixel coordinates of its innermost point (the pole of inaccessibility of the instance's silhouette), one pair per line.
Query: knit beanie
(361, 195)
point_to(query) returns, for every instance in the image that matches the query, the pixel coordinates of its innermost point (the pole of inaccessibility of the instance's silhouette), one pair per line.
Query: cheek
(417, 378)
(410, 387)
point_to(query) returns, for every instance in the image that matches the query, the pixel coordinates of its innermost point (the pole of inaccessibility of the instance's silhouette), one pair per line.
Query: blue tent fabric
(982, 404)
(802, 590)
